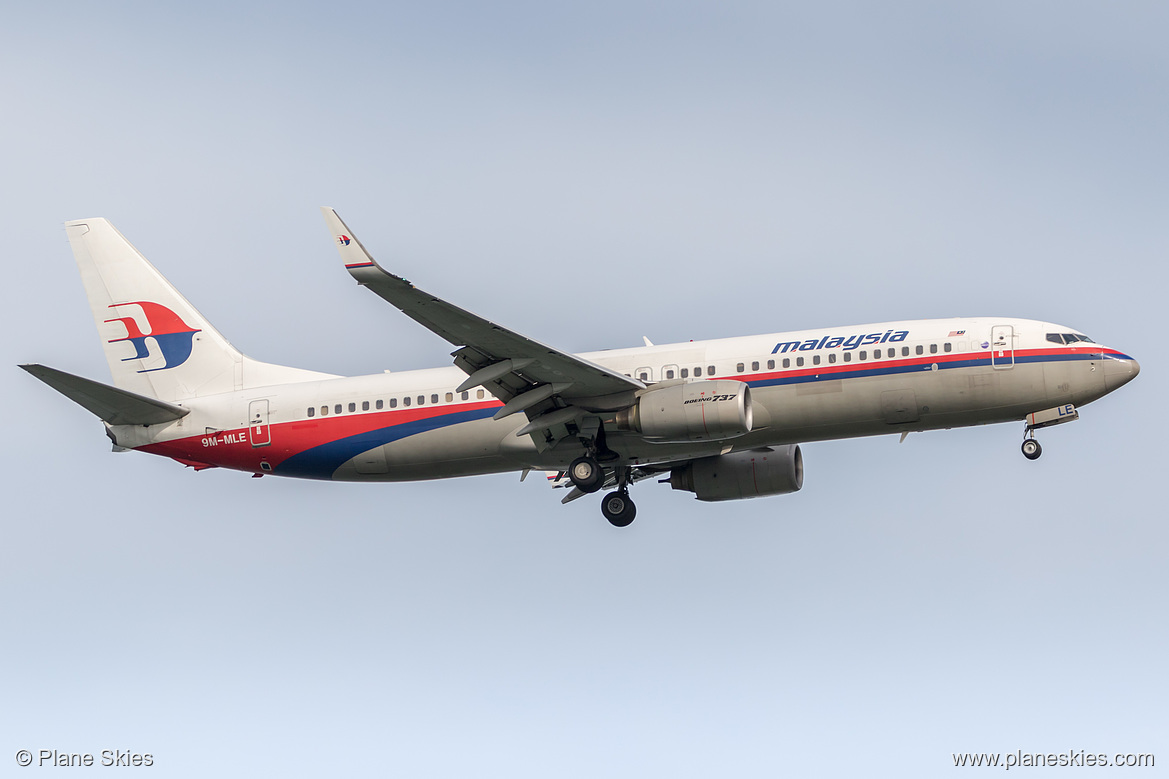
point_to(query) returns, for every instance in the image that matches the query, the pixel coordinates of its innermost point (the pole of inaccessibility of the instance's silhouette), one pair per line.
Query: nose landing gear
(1046, 418)
(1031, 449)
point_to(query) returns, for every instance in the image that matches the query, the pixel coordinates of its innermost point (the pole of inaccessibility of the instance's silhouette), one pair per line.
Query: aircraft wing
(552, 387)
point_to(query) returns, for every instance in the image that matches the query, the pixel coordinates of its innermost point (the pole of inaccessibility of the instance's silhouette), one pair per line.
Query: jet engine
(752, 474)
(694, 411)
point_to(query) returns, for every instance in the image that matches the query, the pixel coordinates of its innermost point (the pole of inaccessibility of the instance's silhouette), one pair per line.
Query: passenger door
(259, 431)
(1002, 347)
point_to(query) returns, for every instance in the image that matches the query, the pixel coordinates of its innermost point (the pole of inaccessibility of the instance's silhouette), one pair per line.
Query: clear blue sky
(589, 174)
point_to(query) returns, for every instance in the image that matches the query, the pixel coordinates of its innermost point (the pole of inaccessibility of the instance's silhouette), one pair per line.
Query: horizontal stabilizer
(110, 404)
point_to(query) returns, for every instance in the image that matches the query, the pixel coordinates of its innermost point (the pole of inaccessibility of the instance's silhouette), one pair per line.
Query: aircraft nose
(1120, 371)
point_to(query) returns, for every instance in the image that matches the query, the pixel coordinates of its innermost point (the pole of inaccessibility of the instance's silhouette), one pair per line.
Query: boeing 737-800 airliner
(723, 418)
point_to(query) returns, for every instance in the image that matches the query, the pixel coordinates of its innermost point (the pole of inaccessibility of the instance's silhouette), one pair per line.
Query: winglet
(353, 254)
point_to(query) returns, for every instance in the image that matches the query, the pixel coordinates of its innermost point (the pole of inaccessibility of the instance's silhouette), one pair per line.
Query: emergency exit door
(258, 429)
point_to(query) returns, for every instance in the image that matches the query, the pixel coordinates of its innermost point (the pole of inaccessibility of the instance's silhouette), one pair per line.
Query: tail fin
(156, 343)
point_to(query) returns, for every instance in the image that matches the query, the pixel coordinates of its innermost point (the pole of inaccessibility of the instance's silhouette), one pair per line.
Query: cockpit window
(1068, 338)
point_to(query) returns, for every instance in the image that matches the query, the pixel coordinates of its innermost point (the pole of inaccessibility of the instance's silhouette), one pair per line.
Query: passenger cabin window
(920, 349)
(393, 402)
(848, 356)
(337, 409)
(450, 397)
(816, 359)
(947, 347)
(421, 400)
(787, 363)
(365, 405)
(755, 366)
(406, 401)
(479, 394)
(434, 398)
(685, 372)
(904, 351)
(799, 362)
(771, 365)
(352, 407)
(863, 355)
(697, 371)
(933, 348)
(709, 370)
(466, 394)
(739, 367)
(832, 357)
(876, 354)
(379, 405)
(312, 412)
(324, 411)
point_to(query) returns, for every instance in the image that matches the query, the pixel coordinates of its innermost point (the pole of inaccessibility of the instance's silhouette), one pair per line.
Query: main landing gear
(588, 476)
(618, 508)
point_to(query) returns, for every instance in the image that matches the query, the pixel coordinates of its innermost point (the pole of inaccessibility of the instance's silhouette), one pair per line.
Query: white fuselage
(805, 386)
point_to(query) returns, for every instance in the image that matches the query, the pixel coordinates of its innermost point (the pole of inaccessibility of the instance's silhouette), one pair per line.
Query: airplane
(722, 419)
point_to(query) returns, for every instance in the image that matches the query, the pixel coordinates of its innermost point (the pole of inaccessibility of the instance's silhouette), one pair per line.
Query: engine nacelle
(694, 411)
(754, 474)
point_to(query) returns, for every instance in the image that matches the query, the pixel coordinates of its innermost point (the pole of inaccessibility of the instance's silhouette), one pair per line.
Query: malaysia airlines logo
(343, 240)
(171, 334)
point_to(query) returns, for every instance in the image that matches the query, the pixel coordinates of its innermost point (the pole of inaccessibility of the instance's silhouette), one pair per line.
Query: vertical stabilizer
(156, 343)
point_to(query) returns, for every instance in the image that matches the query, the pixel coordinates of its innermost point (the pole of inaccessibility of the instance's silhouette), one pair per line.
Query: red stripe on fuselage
(233, 448)
(922, 361)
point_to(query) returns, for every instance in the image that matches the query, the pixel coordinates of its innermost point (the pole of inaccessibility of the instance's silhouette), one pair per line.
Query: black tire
(1032, 449)
(618, 509)
(586, 474)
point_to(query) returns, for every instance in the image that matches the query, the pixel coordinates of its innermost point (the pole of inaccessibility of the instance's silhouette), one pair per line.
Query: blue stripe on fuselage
(834, 372)
(320, 462)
